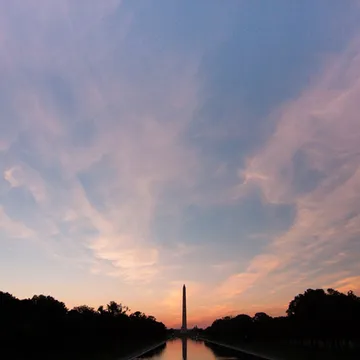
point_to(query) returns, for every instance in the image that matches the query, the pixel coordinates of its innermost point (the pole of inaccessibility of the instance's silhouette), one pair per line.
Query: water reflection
(154, 353)
(188, 349)
(184, 348)
(221, 352)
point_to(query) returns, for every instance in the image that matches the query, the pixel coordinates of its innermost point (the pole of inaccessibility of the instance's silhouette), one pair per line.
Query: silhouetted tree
(314, 318)
(117, 309)
(84, 310)
(44, 325)
(138, 315)
(261, 318)
(101, 310)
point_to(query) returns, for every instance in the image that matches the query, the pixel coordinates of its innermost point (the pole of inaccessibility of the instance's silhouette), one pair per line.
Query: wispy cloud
(344, 285)
(134, 148)
(259, 268)
(25, 176)
(14, 228)
(312, 162)
(140, 154)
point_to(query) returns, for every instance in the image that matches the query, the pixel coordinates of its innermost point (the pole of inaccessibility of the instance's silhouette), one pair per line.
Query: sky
(148, 144)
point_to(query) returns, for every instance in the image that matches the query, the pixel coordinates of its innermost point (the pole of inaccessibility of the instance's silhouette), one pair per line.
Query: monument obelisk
(184, 325)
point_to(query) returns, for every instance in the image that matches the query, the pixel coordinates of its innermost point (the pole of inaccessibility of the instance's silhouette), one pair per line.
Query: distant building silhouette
(184, 322)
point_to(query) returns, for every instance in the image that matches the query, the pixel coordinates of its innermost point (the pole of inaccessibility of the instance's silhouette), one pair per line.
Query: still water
(187, 349)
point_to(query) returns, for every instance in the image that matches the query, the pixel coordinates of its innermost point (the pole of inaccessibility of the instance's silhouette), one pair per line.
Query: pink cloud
(138, 131)
(322, 125)
(238, 283)
(14, 229)
(347, 284)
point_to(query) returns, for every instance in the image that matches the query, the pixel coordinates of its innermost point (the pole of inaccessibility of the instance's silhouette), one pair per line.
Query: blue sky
(144, 145)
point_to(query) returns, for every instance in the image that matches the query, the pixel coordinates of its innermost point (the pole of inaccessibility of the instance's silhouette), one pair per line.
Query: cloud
(91, 141)
(25, 176)
(347, 284)
(312, 162)
(9, 177)
(259, 268)
(127, 147)
(14, 229)
(225, 266)
(131, 264)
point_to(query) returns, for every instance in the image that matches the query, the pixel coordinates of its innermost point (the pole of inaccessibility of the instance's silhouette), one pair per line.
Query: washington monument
(184, 325)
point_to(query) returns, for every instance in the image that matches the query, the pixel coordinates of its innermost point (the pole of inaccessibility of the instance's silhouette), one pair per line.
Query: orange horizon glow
(142, 148)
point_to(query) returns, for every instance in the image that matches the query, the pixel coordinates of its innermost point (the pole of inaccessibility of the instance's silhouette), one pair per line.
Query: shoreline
(245, 351)
(142, 352)
(287, 352)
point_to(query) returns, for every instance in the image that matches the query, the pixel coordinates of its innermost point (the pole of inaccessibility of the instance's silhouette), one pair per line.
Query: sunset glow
(149, 144)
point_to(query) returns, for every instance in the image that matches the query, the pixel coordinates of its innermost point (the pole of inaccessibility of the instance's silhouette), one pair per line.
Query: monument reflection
(184, 348)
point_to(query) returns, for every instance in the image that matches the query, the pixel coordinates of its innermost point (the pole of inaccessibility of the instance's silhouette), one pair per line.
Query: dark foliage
(43, 325)
(317, 318)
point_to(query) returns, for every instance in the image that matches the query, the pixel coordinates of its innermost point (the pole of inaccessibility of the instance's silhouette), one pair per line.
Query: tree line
(44, 325)
(316, 318)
